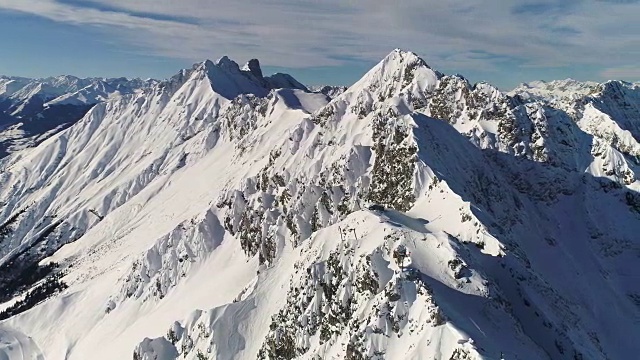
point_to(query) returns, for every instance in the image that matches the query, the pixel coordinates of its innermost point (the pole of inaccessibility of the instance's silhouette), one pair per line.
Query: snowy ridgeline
(222, 214)
(32, 110)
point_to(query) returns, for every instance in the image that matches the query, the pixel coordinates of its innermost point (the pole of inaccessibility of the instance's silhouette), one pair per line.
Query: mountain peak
(208, 63)
(399, 73)
(228, 79)
(226, 63)
(253, 66)
(400, 56)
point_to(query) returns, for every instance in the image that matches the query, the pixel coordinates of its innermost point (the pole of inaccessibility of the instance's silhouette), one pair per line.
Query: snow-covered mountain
(222, 214)
(31, 110)
(329, 90)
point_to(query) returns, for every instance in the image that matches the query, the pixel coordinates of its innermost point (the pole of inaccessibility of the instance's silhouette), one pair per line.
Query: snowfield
(14, 345)
(222, 214)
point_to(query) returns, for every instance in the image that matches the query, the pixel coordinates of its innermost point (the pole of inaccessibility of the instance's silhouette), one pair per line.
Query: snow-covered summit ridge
(32, 110)
(229, 79)
(398, 71)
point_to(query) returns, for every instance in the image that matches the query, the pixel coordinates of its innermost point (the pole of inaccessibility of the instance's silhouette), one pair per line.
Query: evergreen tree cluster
(53, 284)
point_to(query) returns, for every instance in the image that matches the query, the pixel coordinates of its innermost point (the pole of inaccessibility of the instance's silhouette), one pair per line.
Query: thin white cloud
(631, 73)
(79, 15)
(305, 33)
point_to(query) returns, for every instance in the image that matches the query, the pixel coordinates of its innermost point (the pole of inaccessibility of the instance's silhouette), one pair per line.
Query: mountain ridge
(34, 109)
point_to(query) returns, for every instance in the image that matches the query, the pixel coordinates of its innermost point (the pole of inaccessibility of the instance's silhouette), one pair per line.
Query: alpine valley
(224, 214)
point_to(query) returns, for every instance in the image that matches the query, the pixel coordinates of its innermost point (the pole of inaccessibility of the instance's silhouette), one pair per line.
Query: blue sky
(330, 41)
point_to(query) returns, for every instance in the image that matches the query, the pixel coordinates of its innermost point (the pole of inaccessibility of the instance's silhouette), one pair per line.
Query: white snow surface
(217, 216)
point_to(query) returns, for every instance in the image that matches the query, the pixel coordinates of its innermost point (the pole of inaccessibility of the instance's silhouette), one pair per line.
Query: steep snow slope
(31, 110)
(18, 346)
(212, 216)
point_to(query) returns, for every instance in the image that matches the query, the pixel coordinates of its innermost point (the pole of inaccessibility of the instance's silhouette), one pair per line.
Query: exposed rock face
(254, 67)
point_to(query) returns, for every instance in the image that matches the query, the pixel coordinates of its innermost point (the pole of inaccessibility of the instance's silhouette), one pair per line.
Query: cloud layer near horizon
(303, 33)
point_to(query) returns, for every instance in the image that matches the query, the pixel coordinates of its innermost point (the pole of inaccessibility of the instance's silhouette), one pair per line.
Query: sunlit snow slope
(31, 110)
